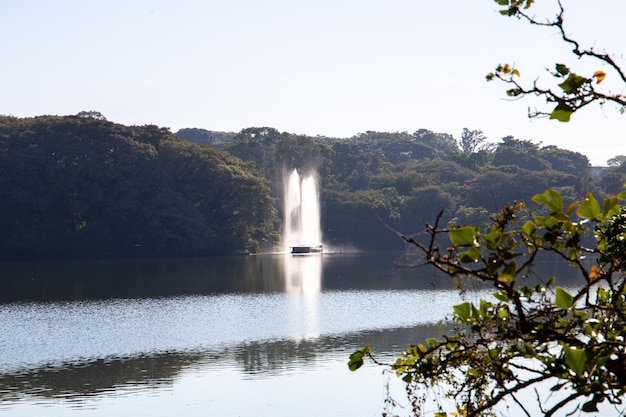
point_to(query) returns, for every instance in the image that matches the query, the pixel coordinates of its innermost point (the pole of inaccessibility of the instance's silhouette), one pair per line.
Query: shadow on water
(106, 279)
(78, 381)
(147, 278)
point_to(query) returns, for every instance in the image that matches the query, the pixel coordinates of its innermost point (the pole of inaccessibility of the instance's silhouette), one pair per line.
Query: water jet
(301, 223)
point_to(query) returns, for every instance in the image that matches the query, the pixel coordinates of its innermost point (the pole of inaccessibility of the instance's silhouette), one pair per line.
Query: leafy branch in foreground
(575, 91)
(563, 347)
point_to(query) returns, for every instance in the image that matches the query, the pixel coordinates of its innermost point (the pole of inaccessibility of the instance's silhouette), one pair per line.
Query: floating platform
(306, 249)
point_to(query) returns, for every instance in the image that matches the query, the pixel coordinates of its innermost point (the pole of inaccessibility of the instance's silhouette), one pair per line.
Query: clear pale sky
(322, 67)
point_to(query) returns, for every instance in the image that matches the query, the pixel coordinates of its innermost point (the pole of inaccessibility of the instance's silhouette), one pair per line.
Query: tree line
(84, 187)
(405, 179)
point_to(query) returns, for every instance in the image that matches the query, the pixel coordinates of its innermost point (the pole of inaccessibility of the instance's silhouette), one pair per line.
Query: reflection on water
(196, 333)
(303, 283)
(107, 279)
(256, 360)
(34, 335)
(86, 351)
(303, 273)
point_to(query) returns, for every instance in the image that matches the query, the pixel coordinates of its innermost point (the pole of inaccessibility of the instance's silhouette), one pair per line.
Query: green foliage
(79, 186)
(522, 153)
(565, 161)
(206, 137)
(111, 190)
(526, 336)
(562, 112)
(406, 179)
(356, 359)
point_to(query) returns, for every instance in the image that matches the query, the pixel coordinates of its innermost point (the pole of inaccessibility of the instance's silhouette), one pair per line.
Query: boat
(306, 249)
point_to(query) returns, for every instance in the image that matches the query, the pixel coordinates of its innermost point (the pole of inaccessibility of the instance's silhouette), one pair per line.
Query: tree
(471, 140)
(82, 187)
(575, 91)
(91, 114)
(203, 136)
(616, 161)
(443, 143)
(565, 161)
(522, 153)
(529, 333)
(532, 347)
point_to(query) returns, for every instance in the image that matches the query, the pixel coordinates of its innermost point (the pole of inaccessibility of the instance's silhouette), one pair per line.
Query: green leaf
(575, 359)
(469, 256)
(462, 311)
(589, 209)
(431, 342)
(463, 236)
(513, 92)
(551, 199)
(590, 406)
(495, 352)
(529, 228)
(356, 359)
(611, 207)
(501, 296)
(562, 112)
(509, 274)
(573, 83)
(563, 299)
(440, 414)
(562, 69)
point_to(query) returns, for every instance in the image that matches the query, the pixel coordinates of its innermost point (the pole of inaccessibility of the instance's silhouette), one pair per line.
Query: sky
(316, 67)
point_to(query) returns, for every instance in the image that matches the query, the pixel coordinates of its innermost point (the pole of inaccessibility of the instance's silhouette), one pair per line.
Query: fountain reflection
(303, 283)
(303, 274)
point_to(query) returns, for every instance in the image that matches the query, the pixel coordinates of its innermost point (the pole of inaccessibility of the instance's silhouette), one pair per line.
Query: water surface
(262, 336)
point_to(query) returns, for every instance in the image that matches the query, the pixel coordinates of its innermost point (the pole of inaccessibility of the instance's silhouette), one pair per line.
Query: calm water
(249, 336)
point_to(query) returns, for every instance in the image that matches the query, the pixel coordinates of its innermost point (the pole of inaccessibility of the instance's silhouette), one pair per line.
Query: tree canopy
(76, 187)
(120, 190)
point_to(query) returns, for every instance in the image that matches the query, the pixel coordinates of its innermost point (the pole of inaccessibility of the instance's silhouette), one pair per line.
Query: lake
(259, 335)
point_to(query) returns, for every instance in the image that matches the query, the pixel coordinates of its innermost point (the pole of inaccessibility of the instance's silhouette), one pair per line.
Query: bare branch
(558, 23)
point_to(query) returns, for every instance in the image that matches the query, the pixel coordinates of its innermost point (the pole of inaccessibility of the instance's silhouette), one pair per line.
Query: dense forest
(406, 179)
(83, 187)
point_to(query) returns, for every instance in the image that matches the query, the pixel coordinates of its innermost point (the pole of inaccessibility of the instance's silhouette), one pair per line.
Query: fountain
(301, 227)
(302, 235)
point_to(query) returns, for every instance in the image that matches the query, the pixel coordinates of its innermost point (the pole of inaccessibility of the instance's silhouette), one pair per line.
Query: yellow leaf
(600, 76)
(516, 72)
(595, 272)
